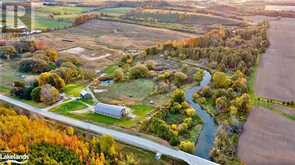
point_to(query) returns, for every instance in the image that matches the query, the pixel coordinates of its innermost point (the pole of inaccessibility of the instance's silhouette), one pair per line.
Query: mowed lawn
(68, 109)
(73, 89)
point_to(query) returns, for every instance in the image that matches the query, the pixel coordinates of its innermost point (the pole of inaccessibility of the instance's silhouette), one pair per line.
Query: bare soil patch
(275, 73)
(267, 139)
(99, 43)
(111, 34)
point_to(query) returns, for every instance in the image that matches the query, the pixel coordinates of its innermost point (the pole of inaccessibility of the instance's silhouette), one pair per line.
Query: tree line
(225, 50)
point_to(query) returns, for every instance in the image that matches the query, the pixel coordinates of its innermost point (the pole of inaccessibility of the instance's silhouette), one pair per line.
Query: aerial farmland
(149, 82)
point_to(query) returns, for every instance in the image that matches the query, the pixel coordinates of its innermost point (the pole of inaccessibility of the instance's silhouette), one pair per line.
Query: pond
(106, 82)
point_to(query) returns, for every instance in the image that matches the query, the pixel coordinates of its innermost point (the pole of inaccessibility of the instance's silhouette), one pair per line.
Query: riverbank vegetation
(175, 122)
(231, 55)
(50, 143)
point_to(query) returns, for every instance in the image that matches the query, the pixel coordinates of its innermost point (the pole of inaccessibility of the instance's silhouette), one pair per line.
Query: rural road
(120, 136)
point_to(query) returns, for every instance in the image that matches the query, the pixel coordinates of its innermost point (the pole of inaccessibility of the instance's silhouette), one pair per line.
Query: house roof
(84, 93)
(110, 110)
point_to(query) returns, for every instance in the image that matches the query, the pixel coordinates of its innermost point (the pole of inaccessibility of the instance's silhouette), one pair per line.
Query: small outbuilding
(85, 95)
(113, 111)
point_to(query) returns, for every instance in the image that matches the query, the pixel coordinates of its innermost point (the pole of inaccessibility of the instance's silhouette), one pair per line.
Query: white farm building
(110, 110)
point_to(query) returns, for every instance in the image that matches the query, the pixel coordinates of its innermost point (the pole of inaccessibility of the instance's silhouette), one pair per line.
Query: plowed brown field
(268, 139)
(276, 71)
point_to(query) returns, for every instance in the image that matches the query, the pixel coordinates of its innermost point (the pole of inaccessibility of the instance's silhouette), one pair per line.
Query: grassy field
(110, 70)
(73, 89)
(56, 17)
(134, 91)
(4, 89)
(67, 108)
(119, 11)
(61, 10)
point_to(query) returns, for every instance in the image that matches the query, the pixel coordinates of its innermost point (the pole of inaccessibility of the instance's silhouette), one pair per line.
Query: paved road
(120, 136)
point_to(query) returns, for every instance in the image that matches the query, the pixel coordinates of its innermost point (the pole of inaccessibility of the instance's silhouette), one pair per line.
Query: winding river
(207, 135)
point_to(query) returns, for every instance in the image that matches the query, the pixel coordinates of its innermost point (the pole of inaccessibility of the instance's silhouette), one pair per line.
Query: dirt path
(268, 139)
(275, 74)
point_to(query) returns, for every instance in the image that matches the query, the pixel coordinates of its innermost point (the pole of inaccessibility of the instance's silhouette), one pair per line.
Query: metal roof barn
(113, 111)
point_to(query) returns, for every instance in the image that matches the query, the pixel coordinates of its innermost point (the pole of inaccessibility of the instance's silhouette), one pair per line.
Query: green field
(56, 17)
(61, 10)
(110, 69)
(73, 89)
(53, 17)
(135, 90)
(115, 11)
(68, 107)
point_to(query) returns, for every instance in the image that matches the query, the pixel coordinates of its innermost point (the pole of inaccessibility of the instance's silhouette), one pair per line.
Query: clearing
(128, 92)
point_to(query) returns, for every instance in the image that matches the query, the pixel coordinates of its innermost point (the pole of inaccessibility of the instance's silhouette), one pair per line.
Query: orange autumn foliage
(18, 132)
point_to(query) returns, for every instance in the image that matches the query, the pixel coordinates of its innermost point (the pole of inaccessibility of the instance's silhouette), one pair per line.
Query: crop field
(179, 17)
(176, 20)
(267, 135)
(99, 43)
(275, 76)
(119, 11)
(111, 34)
(55, 17)
(52, 17)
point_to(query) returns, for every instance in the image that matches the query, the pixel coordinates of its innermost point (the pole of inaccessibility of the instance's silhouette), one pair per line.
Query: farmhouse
(113, 111)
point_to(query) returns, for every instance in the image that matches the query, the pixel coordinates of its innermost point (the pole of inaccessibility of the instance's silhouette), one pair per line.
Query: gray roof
(110, 110)
(84, 93)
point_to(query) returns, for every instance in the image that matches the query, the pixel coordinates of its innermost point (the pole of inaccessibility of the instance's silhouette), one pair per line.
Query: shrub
(52, 54)
(35, 94)
(164, 76)
(49, 94)
(118, 75)
(180, 78)
(187, 146)
(34, 66)
(7, 52)
(199, 75)
(138, 71)
(52, 79)
(178, 96)
(190, 112)
(221, 80)
(150, 64)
